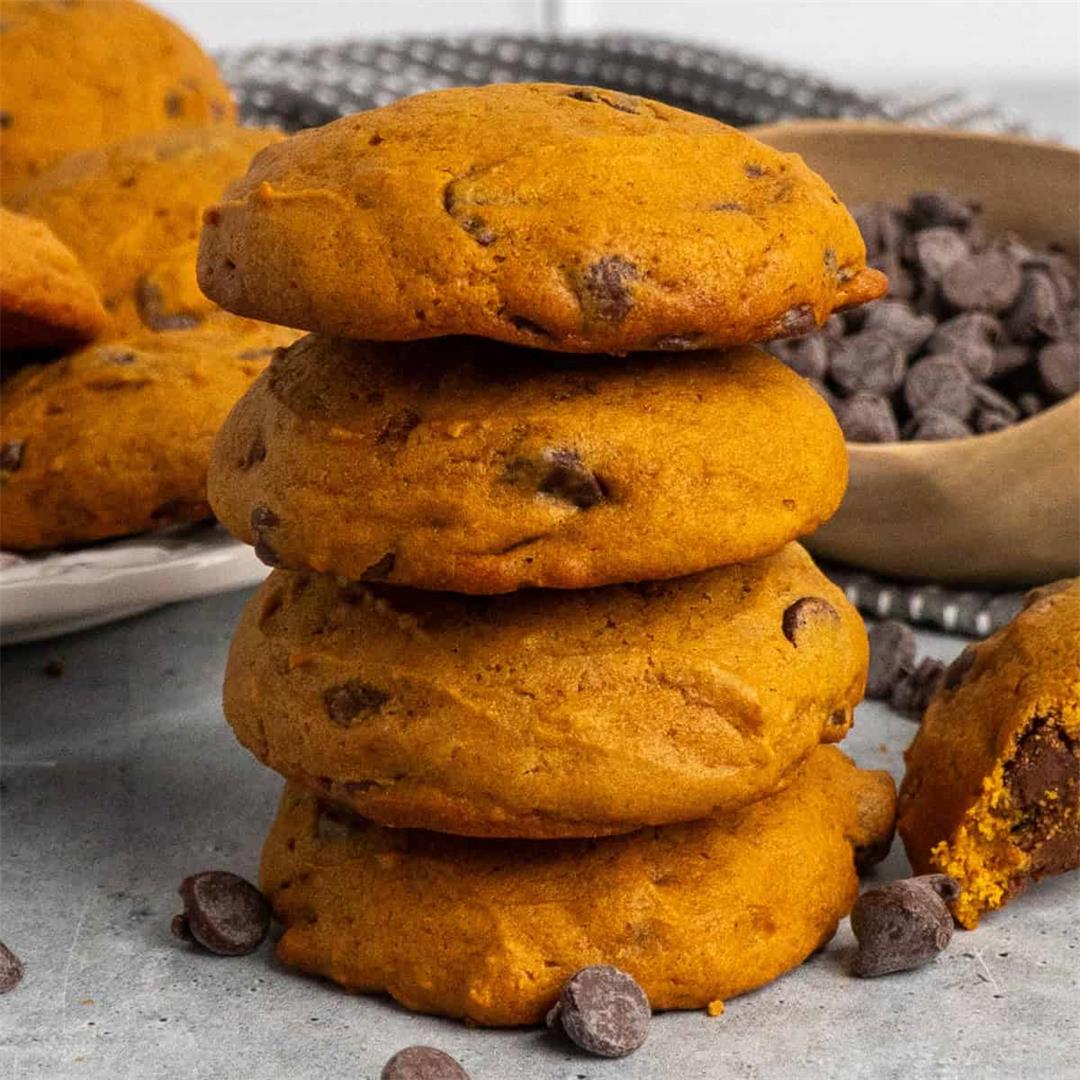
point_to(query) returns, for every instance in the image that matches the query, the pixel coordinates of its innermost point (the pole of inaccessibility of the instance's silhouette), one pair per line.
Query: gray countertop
(120, 777)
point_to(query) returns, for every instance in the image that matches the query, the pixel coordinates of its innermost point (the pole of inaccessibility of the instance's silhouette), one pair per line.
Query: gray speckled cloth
(298, 88)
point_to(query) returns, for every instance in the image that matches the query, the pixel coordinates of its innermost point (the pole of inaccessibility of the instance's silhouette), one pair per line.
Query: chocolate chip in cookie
(349, 701)
(805, 613)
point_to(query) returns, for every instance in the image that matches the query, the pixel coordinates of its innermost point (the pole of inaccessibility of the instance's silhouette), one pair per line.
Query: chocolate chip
(560, 474)
(896, 319)
(987, 421)
(931, 208)
(395, 430)
(122, 359)
(11, 456)
(934, 424)
(678, 342)
(882, 228)
(263, 519)
(1059, 369)
(604, 289)
(942, 383)
(619, 102)
(805, 613)
(871, 360)
(987, 281)
(603, 1010)
(1037, 314)
(937, 250)
(422, 1063)
(902, 925)
(224, 913)
(808, 356)
(957, 671)
(11, 970)
(174, 104)
(867, 418)
(471, 223)
(519, 322)
(892, 656)
(256, 453)
(730, 208)
(150, 304)
(913, 692)
(381, 570)
(1009, 358)
(349, 701)
(986, 397)
(753, 171)
(1029, 404)
(6, 119)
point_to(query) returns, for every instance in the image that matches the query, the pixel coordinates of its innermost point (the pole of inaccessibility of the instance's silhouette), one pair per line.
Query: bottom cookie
(490, 930)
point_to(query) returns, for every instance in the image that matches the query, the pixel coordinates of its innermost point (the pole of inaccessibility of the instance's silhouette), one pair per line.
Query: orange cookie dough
(546, 714)
(475, 467)
(81, 73)
(489, 930)
(560, 217)
(116, 439)
(991, 796)
(131, 212)
(46, 299)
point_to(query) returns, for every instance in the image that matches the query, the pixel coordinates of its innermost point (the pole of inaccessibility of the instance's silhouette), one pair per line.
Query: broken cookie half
(991, 796)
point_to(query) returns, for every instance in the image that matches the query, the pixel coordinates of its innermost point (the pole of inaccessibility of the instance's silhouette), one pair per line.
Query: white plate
(43, 596)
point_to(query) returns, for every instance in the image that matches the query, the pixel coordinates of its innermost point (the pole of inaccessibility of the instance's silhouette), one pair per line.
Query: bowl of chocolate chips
(958, 392)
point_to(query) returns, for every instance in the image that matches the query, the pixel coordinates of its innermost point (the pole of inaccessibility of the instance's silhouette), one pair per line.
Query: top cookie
(131, 213)
(560, 217)
(80, 74)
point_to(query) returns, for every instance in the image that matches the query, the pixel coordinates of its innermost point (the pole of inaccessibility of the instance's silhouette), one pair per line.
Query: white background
(1022, 53)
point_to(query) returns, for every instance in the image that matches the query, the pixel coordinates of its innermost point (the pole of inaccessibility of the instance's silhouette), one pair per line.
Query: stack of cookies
(542, 663)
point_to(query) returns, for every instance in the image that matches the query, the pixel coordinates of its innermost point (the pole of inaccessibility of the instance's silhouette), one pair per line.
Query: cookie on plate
(561, 217)
(547, 713)
(491, 929)
(991, 795)
(131, 212)
(46, 299)
(116, 439)
(81, 73)
(477, 467)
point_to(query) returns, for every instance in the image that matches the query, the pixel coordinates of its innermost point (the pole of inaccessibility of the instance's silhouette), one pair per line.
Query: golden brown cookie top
(46, 299)
(82, 73)
(562, 217)
(131, 212)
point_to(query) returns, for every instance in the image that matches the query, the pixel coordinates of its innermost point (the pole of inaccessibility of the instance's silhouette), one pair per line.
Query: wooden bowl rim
(887, 129)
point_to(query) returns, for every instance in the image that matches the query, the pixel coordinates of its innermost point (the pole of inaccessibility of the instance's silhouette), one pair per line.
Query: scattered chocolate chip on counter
(602, 1010)
(11, 969)
(892, 657)
(422, 1063)
(223, 913)
(914, 690)
(903, 924)
(976, 334)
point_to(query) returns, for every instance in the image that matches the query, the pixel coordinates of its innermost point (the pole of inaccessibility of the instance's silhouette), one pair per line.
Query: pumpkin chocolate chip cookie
(115, 439)
(491, 929)
(131, 213)
(81, 73)
(545, 713)
(991, 795)
(46, 299)
(477, 467)
(561, 217)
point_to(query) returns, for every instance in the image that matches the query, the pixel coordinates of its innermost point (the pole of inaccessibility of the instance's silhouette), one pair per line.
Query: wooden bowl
(998, 509)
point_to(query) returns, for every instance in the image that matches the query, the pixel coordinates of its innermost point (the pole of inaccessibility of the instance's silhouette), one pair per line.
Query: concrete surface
(120, 777)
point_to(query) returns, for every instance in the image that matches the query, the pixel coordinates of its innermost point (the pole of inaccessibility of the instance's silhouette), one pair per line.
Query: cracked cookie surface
(116, 439)
(545, 713)
(559, 217)
(83, 73)
(476, 467)
(991, 795)
(490, 930)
